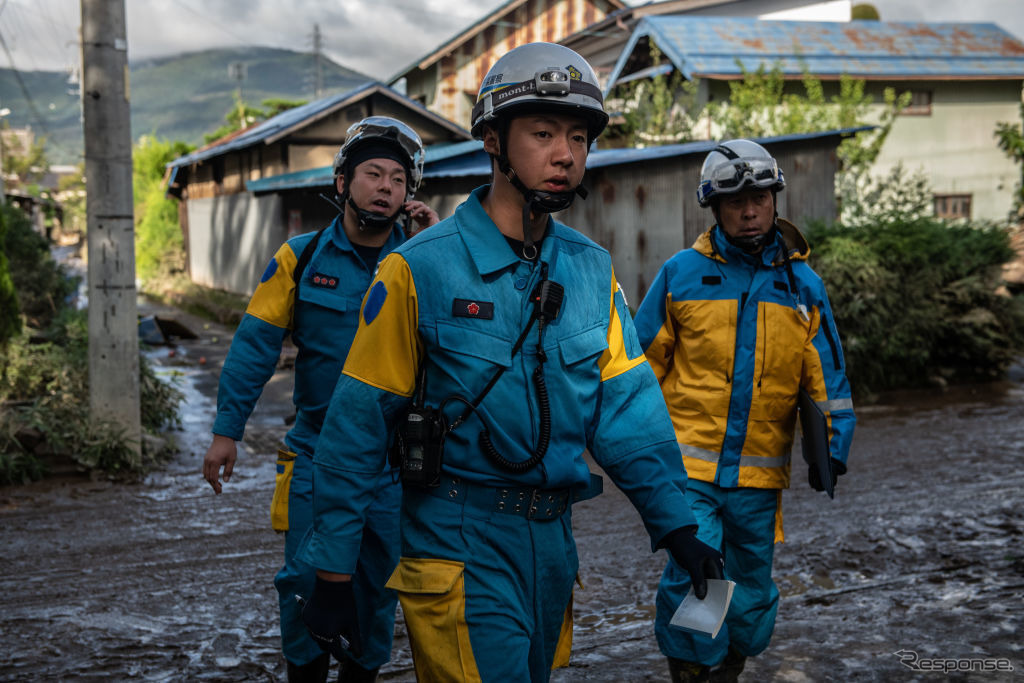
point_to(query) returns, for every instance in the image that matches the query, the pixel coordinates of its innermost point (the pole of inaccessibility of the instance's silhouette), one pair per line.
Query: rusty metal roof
(702, 47)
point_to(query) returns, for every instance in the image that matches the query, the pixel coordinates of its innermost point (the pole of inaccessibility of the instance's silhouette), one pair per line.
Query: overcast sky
(376, 37)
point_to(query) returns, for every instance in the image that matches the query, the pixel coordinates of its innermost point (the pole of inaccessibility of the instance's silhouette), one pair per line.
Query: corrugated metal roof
(276, 127)
(712, 46)
(468, 159)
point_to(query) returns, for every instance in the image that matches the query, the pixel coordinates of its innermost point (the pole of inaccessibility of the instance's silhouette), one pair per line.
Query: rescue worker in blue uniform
(312, 290)
(733, 328)
(503, 332)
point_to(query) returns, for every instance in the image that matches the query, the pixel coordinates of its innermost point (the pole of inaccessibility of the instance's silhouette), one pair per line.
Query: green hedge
(917, 302)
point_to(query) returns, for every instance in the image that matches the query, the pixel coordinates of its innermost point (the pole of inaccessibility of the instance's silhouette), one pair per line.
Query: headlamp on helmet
(552, 82)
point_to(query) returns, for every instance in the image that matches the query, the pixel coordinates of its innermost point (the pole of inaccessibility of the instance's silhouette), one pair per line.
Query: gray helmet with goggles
(380, 137)
(538, 78)
(735, 165)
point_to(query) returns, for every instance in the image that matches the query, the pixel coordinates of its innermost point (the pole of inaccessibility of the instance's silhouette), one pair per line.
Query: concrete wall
(248, 231)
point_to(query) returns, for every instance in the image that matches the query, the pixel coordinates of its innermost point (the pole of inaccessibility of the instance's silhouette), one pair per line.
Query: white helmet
(733, 165)
(384, 130)
(540, 77)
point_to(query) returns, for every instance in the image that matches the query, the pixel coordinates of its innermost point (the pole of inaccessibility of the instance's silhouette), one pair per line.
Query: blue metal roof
(468, 159)
(443, 155)
(712, 46)
(270, 130)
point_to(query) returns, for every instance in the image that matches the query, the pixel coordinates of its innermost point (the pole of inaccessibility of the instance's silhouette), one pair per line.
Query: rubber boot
(350, 672)
(728, 671)
(313, 672)
(682, 671)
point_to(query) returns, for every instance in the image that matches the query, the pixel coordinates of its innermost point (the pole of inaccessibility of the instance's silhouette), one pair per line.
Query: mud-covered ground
(920, 553)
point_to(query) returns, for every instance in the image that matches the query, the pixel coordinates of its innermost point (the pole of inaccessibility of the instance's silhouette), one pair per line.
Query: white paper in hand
(707, 615)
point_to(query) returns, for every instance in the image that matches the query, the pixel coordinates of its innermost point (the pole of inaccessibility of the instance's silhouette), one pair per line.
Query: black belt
(532, 503)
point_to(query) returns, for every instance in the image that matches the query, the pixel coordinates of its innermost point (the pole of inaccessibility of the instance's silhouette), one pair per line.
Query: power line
(24, 88)
(243, 41)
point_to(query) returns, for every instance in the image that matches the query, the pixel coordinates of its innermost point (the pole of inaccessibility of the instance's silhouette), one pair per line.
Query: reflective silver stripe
(698, 453)
(835, 404)
(759, 461)
(745, 460)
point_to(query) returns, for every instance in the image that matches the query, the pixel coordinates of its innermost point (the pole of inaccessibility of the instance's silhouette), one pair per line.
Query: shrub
(44, 390)
(42, 284)
(916, 301)
(10, 310)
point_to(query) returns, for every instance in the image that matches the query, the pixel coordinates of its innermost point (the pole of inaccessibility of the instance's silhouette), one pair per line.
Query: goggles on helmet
(385, 129)
(388, 128)
(735, 173)
(731, 176)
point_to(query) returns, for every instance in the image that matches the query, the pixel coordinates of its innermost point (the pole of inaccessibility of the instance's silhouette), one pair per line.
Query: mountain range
(182, 97)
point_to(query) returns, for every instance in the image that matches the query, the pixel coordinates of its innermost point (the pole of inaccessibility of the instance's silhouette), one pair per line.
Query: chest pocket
(347, 296)
(783, 335)
(462, 344)
(588, 344)
(706, 331)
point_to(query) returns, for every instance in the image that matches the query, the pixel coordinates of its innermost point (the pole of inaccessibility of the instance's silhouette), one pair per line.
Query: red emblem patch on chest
(468, 308)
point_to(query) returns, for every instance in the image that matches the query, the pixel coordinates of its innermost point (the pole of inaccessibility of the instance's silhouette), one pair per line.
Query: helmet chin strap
(368, 221)
(752, 243)
(537, 201)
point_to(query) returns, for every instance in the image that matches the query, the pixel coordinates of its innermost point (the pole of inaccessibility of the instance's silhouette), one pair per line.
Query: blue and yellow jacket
(322, 324)
(731, 343)
(455, 298)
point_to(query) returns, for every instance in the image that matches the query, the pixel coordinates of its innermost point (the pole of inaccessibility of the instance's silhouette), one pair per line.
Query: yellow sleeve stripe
(387, 348)
(615, 360)
(273, 300)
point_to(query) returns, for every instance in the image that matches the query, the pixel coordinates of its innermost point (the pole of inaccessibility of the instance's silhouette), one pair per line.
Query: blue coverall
(732, 337)
(488, 557)
(322, 324)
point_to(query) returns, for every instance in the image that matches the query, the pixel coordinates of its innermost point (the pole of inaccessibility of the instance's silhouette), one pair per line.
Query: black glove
(814, 476)
(699, 559)
(330, 616)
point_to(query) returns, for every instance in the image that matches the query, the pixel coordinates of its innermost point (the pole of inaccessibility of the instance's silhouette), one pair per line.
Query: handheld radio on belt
(418, 449)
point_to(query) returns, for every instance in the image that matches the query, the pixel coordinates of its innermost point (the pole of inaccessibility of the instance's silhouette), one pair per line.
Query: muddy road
(920, 553)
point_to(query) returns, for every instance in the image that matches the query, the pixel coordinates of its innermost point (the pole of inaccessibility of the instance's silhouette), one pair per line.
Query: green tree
(864, 11)
(760, 106)
(656, 111)
(27, 160)
(1010, 138)
(41, 283)
(159, 245)
(10, 311)
(241, 115)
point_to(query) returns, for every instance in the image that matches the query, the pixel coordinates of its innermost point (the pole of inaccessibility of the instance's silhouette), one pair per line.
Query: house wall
(449, 86)
(233, 256)
(955, 145)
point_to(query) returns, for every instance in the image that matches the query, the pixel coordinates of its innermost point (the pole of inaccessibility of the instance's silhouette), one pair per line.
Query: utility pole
(318, 83)
(238, 71)
(113, 317)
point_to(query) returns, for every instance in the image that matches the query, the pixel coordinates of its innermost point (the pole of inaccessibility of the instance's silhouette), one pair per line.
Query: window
(920, 103)
(952, 205)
